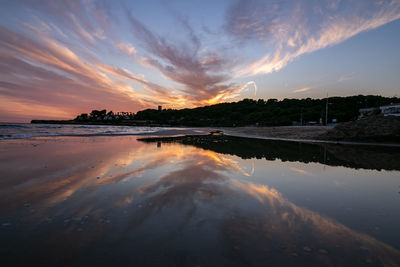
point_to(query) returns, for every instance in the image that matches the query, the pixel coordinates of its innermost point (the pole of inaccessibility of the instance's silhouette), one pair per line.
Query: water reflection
(116, 201)
(365, 157)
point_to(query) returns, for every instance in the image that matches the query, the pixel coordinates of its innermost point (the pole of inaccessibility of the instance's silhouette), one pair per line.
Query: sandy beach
(283, 132)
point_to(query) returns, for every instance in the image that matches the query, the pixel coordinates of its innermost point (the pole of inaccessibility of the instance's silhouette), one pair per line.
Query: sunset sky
(62, 58)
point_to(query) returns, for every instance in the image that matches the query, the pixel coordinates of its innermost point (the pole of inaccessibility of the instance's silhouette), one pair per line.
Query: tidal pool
(118, 201)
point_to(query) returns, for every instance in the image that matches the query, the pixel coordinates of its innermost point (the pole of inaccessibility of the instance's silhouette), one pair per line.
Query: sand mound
(376, 128)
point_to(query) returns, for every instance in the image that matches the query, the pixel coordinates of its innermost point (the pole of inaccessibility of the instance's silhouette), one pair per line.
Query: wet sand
(304, 134)
(279, 133)
(282, 132)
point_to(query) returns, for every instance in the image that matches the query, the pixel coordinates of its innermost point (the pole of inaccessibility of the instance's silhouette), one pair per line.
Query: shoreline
(306, 139)
(300, 134)
(314, 141)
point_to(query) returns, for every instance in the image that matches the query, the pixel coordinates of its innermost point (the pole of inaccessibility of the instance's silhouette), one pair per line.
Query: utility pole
(326, 113)
(301, 117)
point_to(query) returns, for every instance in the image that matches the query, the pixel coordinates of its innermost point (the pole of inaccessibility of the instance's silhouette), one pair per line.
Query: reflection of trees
(366, 157)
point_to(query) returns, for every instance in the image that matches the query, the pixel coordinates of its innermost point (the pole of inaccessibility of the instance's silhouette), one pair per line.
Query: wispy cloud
(291, 29)
(202, 76)
(126, 48)
(304, 89)
(346, 77)
(44, 72)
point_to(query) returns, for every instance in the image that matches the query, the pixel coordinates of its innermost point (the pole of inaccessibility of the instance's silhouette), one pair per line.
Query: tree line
(271, 112)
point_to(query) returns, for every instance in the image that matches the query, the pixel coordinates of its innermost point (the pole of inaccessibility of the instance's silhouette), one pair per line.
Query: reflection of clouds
(301, 171)
(190, 190)
(56, 170)
(283, 222)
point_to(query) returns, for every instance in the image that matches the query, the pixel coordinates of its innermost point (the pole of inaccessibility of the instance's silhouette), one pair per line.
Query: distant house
(391, 110)
(366, 112)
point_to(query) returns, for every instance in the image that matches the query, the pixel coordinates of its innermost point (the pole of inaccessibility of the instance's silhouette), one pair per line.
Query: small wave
(48, 127)
(28, 136)
(12, 126)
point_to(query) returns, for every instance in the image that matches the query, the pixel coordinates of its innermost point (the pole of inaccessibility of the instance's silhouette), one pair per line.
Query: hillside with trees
(269, 112)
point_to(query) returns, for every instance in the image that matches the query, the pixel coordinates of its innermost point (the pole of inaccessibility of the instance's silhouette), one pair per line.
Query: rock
(377, 128)
(322, 251)
(307, 249)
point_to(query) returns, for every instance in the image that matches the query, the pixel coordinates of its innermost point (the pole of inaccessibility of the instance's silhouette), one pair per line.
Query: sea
(27, 130)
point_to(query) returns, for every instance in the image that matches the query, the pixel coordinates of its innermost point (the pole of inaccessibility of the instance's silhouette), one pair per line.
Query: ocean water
(27, 130)
(124, 201)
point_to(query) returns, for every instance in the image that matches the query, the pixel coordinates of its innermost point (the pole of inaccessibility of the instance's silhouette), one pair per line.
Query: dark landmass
(371, 129)
(269, 112)
(365, 157)
(247, 112)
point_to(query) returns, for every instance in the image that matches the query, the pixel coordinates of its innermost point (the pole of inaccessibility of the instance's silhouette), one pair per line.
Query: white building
(390, 110)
